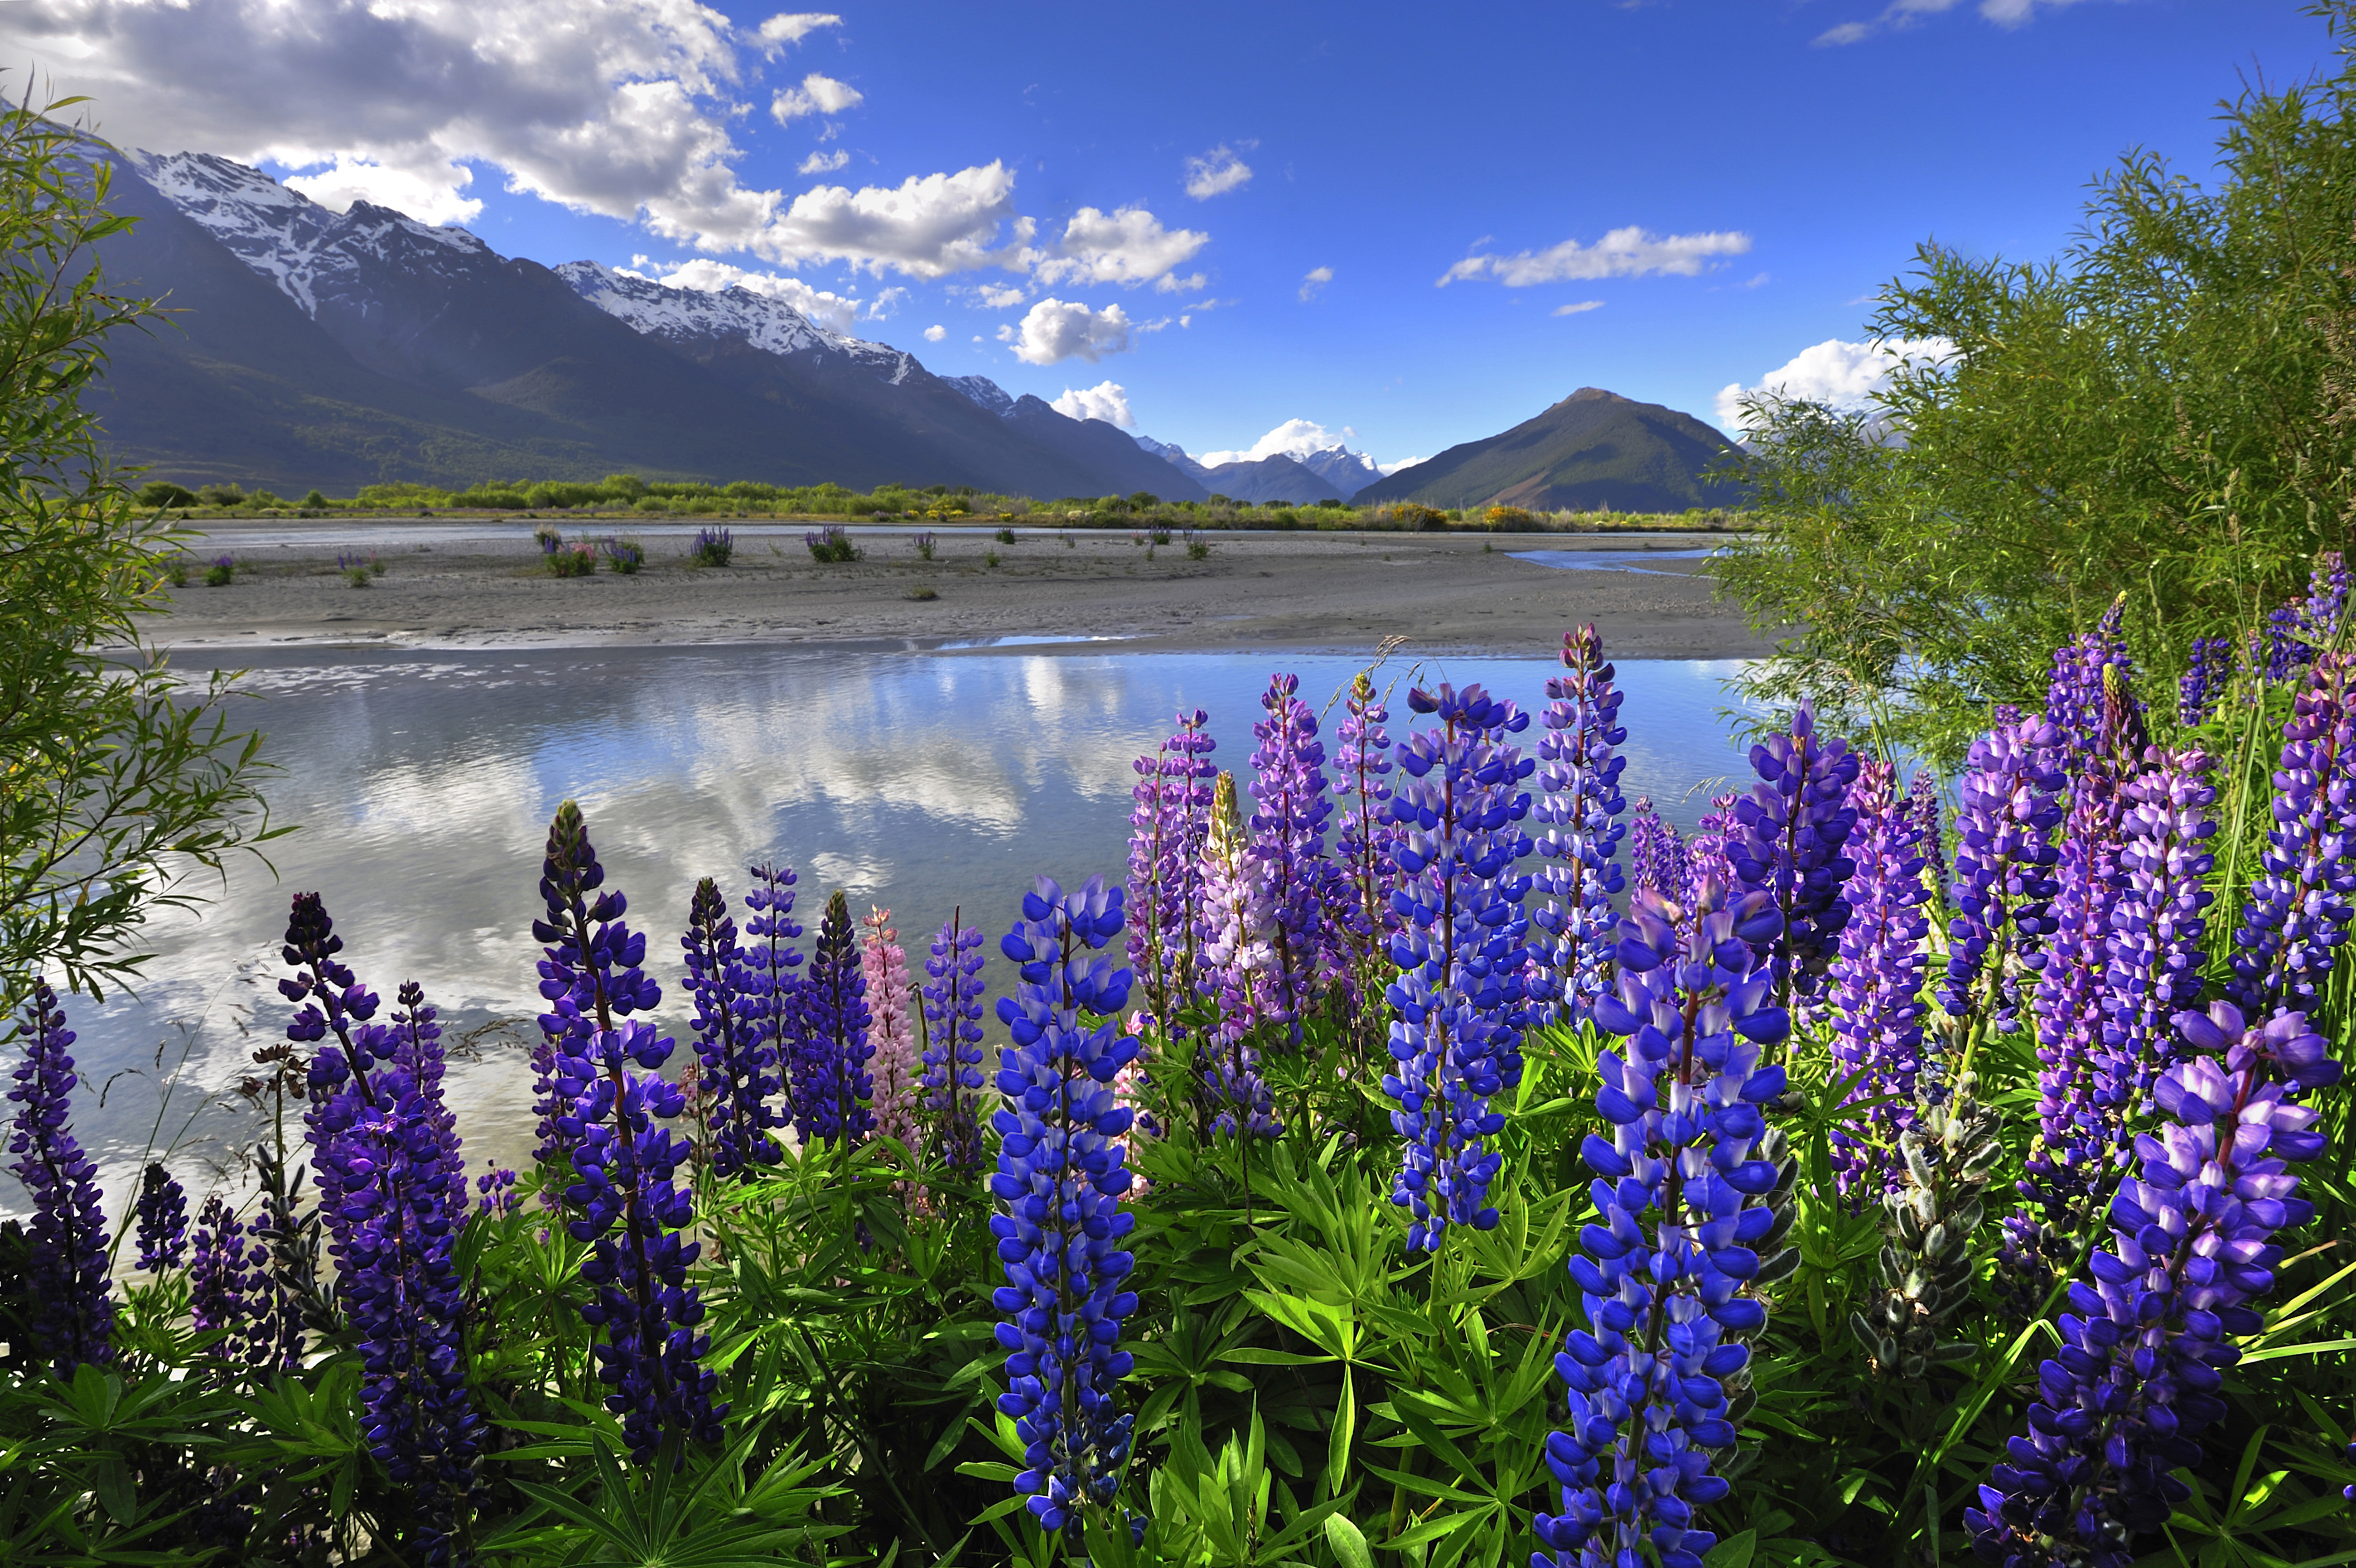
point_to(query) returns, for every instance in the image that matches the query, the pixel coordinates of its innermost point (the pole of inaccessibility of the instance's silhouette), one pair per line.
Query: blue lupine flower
(1456, 1038)
(739, 1067)
(1366, 843)
(2199, 688)
(162, 1211)
(1580, 802)
(2298, 906)
(1292, 806)
(831, 1086)
(2154, 949)
(953, 990)
(771, 990)
(1789, 833)
(2143, 1346)
(1060, 1176)
(1685, 1197)
(1656, 852)
(1875, 981)
(591, 976)
(1165, 867)
(2075, 698)
(223, 1276)
(2009, 806)
(73, 1310)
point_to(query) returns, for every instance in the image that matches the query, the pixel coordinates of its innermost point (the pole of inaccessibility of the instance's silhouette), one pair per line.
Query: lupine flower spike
(953, 992)
(1459, 1005)
(894, 1065)
(1238, 963)
(1363, 919)
(591, 976)
(162, 1211)
(1876, 977)
(737, 1065)
(773, 981)
(1165, 847)
(73, 1310)
(1579, 803)
(1656, 852)
(2009, 805)
(1692, 1191)
(1287, 820)
(832, 1083)
(1060, 1178)
(2199, 688)
(2296, 917)
(1787, 841)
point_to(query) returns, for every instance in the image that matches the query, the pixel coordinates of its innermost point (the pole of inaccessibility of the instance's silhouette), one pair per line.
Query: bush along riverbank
(1423, 1155)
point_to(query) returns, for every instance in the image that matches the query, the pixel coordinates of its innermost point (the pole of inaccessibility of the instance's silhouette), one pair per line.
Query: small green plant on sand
(1006, 536)
(220, 573)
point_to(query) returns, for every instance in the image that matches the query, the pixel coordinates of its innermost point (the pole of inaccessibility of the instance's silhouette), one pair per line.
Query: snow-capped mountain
(1282, 478)
(1348, 472)
(983, 391)
(682, 315)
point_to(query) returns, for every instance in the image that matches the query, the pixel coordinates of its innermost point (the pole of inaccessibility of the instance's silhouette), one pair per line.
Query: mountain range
(1594, 450)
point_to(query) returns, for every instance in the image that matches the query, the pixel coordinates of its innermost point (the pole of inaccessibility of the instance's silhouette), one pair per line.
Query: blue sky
(1764, 167)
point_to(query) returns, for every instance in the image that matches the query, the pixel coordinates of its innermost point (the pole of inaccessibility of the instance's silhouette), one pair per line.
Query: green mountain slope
(1593, 449)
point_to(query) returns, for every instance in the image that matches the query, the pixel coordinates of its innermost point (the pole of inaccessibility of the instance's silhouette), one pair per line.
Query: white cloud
(1578, 307)
(786, 28)
(884, 304)
(927, 227)
(1172, 284)
(1630, 252)
(833, 311)
(817, 95)
(429, 198)
(1294, 438)
(822, 162)
(1129, 247)
(936, 334)
(1843, 375)
(1216, 172)
(1106, 400)
(1314, 282)
(1391, 468)
(998, 296)
(1909, 13)
(1053, 331)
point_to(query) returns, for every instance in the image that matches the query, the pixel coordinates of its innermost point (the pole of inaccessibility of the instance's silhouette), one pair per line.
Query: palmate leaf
(648, 1517)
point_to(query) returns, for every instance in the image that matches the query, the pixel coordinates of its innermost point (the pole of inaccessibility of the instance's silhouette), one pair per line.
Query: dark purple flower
(739, 1068)
(72, 1306)
(953, 991)
(2298, 912)
(2198, 689)
(1876, 982)
(224, 1276)
(830, 1084)
(2153, 969)
(1580, 804)
(1706, 850)
(591, 976)
(2009, 805)
(771, 992)
(1787, 842)
(1291, 805)
(1165, 847)
(163, 1214)
(1656, 853)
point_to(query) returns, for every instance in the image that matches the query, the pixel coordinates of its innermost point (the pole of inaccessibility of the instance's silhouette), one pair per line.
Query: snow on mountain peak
(760, 321)
(981, 390)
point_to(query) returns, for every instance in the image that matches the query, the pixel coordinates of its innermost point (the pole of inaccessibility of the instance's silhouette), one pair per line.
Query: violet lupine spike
(2154, 948)
(953, 992)
(1368, 837)
(773, 978)
(1060, 1178)
(590, 974)
(893, 1063)
(1580, 804)
(1165, 848)
(1787, 841)
(737, 1067)
(74, 1307)
(342, 1096)
(1237, 972)
(223, 1277)
(1876, 982)
(1689, 1190)
(2121, 1404)
(2075, 698)
(1923, 800)
(1706, 850)
(2204, 681)
(163, 1212)
(1291, 805)
(830, 1079)
(2009, 803)
(1656, 852)
(2326, 605)
(2284, 652)
(2297, 915)
(1457, 1006)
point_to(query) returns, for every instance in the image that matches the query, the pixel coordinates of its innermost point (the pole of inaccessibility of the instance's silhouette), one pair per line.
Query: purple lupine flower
(1165, 846)
(1457, 1004)
(2204, 681)
(771, 993)
(738, 1067)
(1706, 850)
(1688, 1192)
(590, 977)
(2074, 698)
(2326, 605)
(1288, 837)
(495, 1191)
(1237, 972)
(952, 992)
(73, 1310)
(1361, 915)
(2136, 1379)
(1580, 802)
(1787, 841)
(1656, 852)
(223, 1277)
(1060, 1178)
(2153, 971)
(2297, 915)
(1923, 800)
(1876, 982)
(2009, 805)
(2284, 651)
(163, 1212)
(831, 1081)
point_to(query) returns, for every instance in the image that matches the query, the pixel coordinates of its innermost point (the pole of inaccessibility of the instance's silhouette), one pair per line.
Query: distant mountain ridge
(1278, 478)
(1593, 449)
(312, 347)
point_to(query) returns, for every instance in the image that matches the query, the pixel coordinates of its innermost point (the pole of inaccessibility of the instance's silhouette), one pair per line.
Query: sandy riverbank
(1338, 592)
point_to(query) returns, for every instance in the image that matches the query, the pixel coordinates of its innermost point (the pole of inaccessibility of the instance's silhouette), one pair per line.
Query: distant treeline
(933, 503)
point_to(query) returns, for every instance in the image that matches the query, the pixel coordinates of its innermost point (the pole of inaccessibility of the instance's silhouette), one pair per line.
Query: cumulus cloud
(817, 95)
(786, 28)
(1391, 468)
(1106, 400)
(1128, 247)
(822, 162)
(1314, 282)
(1216, 173)
(1578, 307)
(1172, 284)
(1910, 12)
(433, 199)
(927, 227)
(830, 310)
(936, 334)
(998, 296)
(1294, 438)
(1841, 374)
(1630, 252)
(1053, 331)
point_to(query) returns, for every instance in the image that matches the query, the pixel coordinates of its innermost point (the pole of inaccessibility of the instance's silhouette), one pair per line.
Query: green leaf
(1348, 1543)
(1734, 1551)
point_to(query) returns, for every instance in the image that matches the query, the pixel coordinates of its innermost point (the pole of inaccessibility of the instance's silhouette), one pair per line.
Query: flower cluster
(2299, 903)
(953, 992)
(1060, 1178)
(589, 976)
(163, 1214)
(1875, 981)
(1689, 1192)
(894, 1065)
(736, 1065)
(1944, 1163)
(2157, 920)
(1787, 841)
(771, 993)
(1165, 847)
(2010, 802)
(1367, 842)
(1457, 1006)
(1291, 805)
(1579, 805)
(73, 1310)
(831, 1081)
(2203, 680)
(1238, 964)
(1656, 852)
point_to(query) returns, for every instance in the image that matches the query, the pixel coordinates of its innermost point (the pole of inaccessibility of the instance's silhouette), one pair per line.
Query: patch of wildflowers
(1579, 804)
(73, 1308)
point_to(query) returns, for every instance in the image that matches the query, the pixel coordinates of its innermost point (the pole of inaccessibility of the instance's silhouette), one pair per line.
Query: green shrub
(159, 493)
(221, 572)
(1005, 536)
(625, 557)
(572, 561)
(924, 591)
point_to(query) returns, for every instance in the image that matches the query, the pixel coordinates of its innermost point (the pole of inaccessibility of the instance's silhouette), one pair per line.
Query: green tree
(116, 778)
(2166, 413)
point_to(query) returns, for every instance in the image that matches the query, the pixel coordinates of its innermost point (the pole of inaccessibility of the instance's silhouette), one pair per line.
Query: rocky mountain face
(315, 347)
